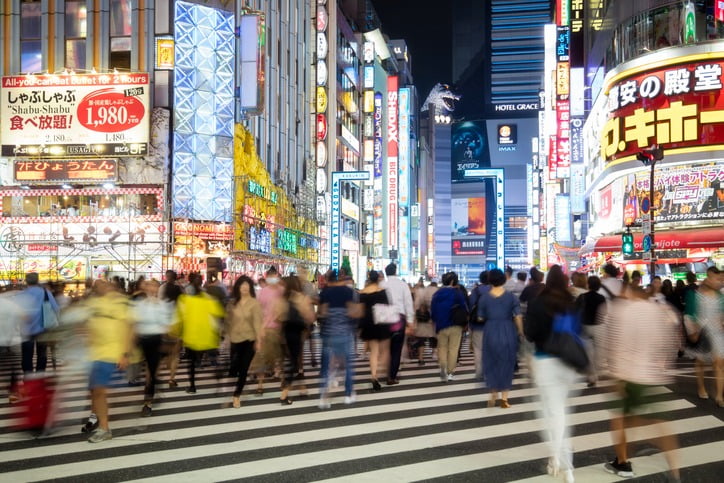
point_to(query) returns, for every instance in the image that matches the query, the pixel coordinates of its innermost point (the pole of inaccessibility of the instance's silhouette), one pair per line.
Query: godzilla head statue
(443, 99)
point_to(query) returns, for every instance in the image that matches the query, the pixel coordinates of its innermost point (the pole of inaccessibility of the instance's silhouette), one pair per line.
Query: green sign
(287, 241)
(258, 190)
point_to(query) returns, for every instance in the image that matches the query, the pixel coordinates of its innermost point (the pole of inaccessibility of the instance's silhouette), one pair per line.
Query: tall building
(655, 77)
(139, 136)
(498, 66)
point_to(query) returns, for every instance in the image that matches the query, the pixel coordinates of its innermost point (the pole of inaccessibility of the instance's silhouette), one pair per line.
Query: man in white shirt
(401, 298)
(611, 286)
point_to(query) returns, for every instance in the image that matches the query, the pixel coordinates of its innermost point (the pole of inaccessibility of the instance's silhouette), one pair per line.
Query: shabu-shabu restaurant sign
(74, 115)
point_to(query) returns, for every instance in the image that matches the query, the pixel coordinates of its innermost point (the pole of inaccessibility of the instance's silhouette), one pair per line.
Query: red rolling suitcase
(34, 408)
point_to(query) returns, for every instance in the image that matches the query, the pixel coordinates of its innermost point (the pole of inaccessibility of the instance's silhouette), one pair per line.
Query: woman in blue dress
(503, 326)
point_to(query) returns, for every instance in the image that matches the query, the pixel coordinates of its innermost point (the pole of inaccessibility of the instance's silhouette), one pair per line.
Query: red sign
(604, 210)
(719, 10)
(108, 110)
(707, 238)
(59, 171)
(392, 166)
(675, 106)
(321, 127)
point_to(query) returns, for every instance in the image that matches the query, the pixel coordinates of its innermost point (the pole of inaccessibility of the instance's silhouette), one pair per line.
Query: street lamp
(649, 157)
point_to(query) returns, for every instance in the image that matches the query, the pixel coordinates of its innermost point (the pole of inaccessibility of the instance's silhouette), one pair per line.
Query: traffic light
(627, 243)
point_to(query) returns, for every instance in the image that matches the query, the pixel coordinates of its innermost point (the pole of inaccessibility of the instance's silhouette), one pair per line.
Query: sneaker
(324, 404)
(100, 435)
(145, 411)
(350, 399)
(450, 377)
(623, 470)
(443, 375)
(90, 426)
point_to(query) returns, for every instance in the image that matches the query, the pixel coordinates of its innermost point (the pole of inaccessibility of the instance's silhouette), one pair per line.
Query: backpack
(565, 341)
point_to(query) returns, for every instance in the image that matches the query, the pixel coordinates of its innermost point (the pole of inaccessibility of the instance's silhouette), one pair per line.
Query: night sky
(425, 26)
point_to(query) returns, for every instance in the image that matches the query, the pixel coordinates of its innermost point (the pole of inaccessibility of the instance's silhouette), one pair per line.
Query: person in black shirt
(591, 306)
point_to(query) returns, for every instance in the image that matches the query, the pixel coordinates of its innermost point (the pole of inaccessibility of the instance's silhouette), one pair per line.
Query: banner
(74, 115)
(676, 106)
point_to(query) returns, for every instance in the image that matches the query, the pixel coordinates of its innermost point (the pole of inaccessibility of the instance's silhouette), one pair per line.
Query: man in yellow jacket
(198, 319)
(110, 339)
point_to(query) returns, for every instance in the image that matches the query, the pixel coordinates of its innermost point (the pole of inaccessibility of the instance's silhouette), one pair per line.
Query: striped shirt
(642, 338)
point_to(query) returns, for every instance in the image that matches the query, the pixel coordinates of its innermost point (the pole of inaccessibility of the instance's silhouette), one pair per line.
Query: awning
(711, 238)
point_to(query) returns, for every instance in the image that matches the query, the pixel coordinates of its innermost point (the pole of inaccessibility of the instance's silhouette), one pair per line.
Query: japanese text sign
(75, 115)
(55, 171)
(676, 107)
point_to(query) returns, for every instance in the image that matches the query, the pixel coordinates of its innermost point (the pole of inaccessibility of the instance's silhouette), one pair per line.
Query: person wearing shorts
(110, 339)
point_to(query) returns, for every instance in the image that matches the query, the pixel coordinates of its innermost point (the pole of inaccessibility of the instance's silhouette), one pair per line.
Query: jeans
(448, 346)
(28, 348)
(593, 338)
(554, 379)
(476, 340)
(337, 347)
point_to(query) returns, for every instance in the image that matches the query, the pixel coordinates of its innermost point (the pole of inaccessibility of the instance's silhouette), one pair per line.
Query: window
(124, 205)
(30, 37)
(75, 34)
(120, 34)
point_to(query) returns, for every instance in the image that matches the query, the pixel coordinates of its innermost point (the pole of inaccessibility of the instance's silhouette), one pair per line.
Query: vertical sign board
(377, 183)
(392, 166)
(252, 32)
(404, 181)
(498, 175)
(563, 103)
(337, 178)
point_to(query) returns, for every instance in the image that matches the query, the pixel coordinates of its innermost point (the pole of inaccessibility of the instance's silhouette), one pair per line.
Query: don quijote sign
(74, 115)
(675, 106)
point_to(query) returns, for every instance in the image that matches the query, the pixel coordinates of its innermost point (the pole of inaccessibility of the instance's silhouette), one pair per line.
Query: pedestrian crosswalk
(421, 429)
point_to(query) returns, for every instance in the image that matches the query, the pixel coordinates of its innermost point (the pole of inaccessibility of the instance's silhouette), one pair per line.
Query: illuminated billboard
(73, 115)
(677, 106)
(469, 149)
(469, 230)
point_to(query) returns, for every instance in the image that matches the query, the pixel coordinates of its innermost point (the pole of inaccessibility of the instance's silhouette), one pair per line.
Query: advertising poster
(75, 115)
(469, 149)
(469, 226)
(693, 192)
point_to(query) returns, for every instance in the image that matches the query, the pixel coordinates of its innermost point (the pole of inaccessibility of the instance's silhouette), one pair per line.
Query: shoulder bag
(565, 343)
(50, 317)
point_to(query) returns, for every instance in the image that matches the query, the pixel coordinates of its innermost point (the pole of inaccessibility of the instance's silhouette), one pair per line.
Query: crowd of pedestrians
(620, 329)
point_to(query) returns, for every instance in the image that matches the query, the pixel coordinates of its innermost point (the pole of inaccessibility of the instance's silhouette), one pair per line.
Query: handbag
(50, 317)
(385, 314)
(565, 343)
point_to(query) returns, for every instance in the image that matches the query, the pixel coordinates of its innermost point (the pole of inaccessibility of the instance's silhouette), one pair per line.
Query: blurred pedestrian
(503, 326)
(476, 325)
(339, 307)
(198, 317)
(552, 375)
(642, 342)
(401, 298)
(32, 300)
(449, 311)
(110, 339)
(424, 329)
(299, 316)
(270, 358)
(533, 289)
(591, 307)
(705, 326)
(377, 336)
(243, 328)
(170, 291)
(11, 324)
(153, 319)
(611, 286)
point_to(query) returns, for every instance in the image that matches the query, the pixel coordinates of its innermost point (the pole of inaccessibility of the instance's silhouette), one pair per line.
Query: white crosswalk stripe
(421, 429)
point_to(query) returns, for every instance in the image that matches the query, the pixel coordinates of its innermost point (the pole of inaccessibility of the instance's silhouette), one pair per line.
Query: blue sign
(338, 176)
(645, 205)
(647, 243)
